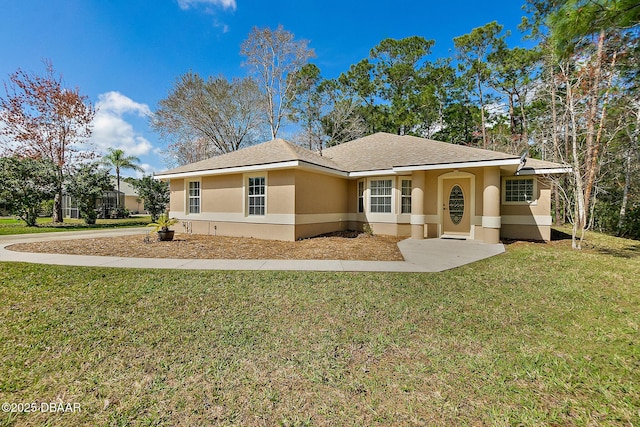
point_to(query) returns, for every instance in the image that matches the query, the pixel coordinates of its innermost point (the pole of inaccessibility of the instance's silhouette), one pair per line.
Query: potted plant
(162, 225)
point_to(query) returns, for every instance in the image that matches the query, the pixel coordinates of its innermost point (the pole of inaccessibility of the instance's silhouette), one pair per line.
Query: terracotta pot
(165, 236)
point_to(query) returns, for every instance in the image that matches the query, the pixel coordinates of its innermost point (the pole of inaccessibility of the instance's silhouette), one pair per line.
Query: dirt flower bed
(343, 246)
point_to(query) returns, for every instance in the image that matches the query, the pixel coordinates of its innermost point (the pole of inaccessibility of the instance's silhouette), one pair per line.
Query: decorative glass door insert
(456, 204)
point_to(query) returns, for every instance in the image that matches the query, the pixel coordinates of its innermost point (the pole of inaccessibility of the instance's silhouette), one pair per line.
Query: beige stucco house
(399, 185)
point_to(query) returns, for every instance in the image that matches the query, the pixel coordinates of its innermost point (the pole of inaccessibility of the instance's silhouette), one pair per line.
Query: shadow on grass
(557, 235)
(628, 252)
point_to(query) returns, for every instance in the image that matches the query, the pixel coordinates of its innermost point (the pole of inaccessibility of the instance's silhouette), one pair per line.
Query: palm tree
(118, 160)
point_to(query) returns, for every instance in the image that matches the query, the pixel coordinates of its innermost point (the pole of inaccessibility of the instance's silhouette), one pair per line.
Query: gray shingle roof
(380, 151)
(275, 151)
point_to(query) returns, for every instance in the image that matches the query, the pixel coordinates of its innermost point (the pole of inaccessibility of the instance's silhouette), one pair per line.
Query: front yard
(15, 226)
(539, 335)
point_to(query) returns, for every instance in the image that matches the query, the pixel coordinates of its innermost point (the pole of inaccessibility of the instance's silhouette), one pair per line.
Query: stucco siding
(321, 194)
(133, 204)
(431, 193)
(177, 194)
(531, 221)
(238, 229)
(222, 193)
(526, 232)
(281, 192)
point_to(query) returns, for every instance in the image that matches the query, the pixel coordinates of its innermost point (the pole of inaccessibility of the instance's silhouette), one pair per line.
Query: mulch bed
(343, 246)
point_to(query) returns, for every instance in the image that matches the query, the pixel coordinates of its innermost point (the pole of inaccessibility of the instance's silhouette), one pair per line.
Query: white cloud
(148, 170)
(111, 130)
(225, 4)
(117, 103)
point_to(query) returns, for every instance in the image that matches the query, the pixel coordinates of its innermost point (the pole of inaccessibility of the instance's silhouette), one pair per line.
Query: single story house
(132, 201)
(127, 198)
(399, 185)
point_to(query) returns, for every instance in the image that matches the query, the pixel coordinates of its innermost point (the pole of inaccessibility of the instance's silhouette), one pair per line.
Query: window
(518, 190)
(381, 196)
(256, 195)
(405, 205)
(360, 196)
(194, 197)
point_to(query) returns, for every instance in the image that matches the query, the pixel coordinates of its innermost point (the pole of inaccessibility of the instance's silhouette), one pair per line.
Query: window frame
(190, 197)
(534, 190)
(405, 197)
(249, 196)
(373, 194)
(361, 188)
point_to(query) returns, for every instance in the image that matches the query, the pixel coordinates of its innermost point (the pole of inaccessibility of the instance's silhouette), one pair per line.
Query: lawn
(541, 335)
(16, 226)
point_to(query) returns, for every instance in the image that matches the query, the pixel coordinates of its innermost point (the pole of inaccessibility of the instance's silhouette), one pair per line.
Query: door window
(456, 204)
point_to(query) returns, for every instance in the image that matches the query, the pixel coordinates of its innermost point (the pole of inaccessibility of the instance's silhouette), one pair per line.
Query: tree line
(571, 97)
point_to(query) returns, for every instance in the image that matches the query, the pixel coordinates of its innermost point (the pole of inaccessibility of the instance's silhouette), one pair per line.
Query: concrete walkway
(421, 256)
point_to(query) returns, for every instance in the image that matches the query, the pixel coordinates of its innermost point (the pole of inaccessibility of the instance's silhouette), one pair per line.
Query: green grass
(541, 335)
(44, 225)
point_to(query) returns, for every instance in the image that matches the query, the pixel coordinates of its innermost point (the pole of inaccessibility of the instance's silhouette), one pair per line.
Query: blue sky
(125, 55)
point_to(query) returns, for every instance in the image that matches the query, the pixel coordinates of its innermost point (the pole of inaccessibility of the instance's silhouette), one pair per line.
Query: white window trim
(534, 200)
(393, 195)
(400, 179)
(245, 189)
(364, 196)
(187, 196)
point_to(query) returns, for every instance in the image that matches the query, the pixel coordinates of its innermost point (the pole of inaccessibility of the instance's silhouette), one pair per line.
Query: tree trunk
(57, 199)
(579, 217)
(630, 155)
(593, 142)
(625, 191)
(525, 132)
(484, 130)
(57, 207)
(556, 148)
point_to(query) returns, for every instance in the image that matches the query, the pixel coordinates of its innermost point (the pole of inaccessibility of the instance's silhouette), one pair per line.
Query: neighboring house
(132, 202)
(128, 198)
(399, 185)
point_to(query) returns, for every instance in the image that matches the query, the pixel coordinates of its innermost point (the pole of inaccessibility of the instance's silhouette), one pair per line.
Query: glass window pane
(256, 200)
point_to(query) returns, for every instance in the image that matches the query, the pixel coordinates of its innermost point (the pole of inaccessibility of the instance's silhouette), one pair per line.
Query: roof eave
(548, 171)
(439, 166)
(251, 168)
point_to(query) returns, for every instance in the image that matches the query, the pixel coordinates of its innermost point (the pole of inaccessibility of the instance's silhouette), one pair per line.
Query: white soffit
(553, 171)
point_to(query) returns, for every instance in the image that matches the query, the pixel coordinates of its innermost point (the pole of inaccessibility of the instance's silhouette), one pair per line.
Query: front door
(456, 206)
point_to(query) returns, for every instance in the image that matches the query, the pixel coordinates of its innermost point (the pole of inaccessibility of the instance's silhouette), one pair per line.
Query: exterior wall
(237, 229)
(434, 200)
(392, 224)
(322, 204)
(281, 194)
(221, 194)
(321, 194)
(303, 203)
(224, 199)
(134, 204)
(177, 196)
(528, 221)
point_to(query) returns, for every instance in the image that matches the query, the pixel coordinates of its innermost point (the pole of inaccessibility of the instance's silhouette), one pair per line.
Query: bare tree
(43, 119)
(202, 119)
(274, 56)
(343, 123)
